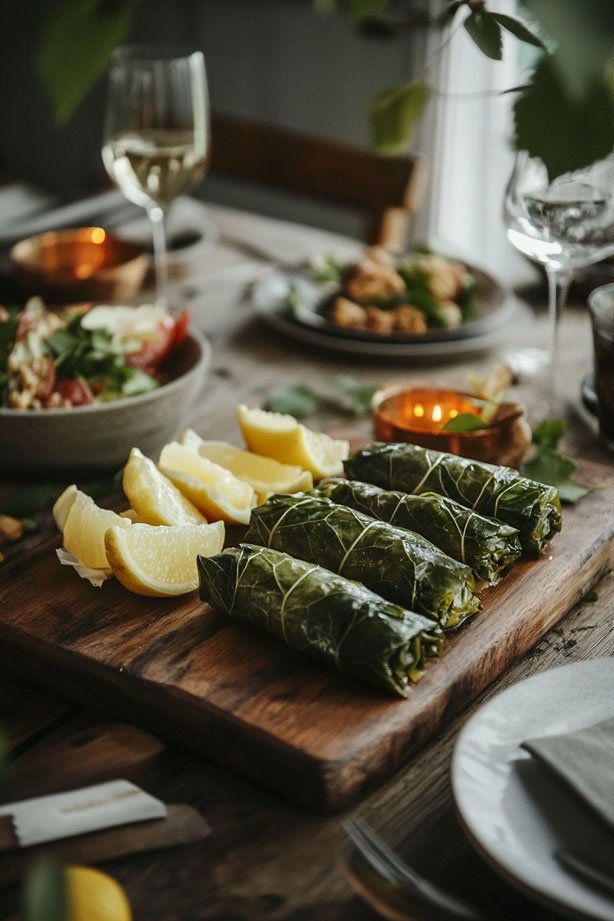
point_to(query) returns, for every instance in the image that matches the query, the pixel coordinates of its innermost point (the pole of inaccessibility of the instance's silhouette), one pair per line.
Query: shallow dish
(496, 798)
(99, 437)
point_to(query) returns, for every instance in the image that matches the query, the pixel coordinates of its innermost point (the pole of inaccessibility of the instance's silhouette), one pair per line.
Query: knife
(63, 815)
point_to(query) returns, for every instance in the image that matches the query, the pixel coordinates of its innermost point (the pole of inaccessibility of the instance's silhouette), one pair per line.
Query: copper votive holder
(418, 416)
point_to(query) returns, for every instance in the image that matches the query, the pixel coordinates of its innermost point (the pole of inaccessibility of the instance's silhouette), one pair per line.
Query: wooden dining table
(265, 858)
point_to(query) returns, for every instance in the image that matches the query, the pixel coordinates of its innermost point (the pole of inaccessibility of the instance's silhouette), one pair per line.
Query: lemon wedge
(153, 560)
(282, 438)
(265, 475)
(94, 896)
(212, 489)
(84, 530)
(154, 499)
(63, 505)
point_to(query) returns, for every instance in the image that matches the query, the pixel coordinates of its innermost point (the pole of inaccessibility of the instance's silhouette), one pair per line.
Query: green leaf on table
(394, 114)
(357, 398)
(589, 598)
(77, 40)
(519, 30)
(464, 422)
(580, 131)
(553, 468)
(485, 31)
(295, 400)
(44, 894)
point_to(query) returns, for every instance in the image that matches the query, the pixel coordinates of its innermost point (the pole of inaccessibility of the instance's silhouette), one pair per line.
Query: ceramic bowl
(88, 264)
(90, 439)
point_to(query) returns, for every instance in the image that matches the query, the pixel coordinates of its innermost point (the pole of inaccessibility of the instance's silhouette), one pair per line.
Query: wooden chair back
(388, 189)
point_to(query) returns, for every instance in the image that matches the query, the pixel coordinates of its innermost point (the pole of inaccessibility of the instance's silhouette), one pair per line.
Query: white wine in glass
(156, 134)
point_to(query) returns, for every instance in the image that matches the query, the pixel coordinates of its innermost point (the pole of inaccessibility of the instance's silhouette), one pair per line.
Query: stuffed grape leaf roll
(397, 564)
(499, 492)
(488, 546)
(321, 614)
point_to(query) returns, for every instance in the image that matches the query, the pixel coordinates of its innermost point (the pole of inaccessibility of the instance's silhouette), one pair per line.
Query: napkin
(584, 761)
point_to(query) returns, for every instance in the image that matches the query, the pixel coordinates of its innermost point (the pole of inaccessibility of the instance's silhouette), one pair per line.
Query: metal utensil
(393, 869)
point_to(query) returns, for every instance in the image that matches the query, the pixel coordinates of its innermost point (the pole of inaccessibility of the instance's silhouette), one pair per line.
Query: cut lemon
(264, 475)
(84, 530)
(212, 489)
(63, 505)
(282, 438)
(94, 896)
(152, 560)
(153, 497)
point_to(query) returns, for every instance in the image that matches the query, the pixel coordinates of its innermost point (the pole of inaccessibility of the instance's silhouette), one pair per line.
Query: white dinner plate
(490, 774)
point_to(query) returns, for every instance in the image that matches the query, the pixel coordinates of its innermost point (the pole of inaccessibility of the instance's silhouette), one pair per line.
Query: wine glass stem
(559, 280)
(157, 216)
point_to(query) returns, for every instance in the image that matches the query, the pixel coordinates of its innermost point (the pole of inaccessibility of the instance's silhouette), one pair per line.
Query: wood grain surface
(243, 699)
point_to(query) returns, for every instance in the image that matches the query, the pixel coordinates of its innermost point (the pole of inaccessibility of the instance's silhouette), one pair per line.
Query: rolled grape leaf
(398, 565)
(488, 546)
(499, 492)
(321, 614)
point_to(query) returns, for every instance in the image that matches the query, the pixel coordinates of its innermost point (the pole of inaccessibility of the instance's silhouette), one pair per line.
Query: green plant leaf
(579, 131)
(76, 42)
(518, 29)
(553, 468)
(394, 114)
(296, 400)
(486, 33)
(589, 598)
(464, 422)
(44, 893)
(357, 397)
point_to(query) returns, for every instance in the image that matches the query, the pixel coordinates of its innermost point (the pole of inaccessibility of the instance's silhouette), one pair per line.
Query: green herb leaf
(486, 33)
(464, 422)
(553, 468)
(580, 130)
(518, 29)
(44, 894)
(589, 598)
(325, 268)
(357, 397)
(296, 400)
(394, 114)
(77, 40)
(29, 525)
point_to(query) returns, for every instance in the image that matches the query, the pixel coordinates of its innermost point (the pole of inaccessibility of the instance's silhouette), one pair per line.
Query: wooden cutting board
(243, 699)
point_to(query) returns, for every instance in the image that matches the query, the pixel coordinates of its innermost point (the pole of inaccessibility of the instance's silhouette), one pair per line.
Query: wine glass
(563, 224)
(156, 134)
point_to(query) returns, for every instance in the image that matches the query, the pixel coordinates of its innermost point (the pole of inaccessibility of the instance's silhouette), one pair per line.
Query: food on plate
(488, 546)
(211, 488)
(265, 475)
(499, 492)
(82, 354)
(161, 560)
(397, 564)
(282, 438)
(321, 614)
(385, 294)
(152, 496)
(84, 530)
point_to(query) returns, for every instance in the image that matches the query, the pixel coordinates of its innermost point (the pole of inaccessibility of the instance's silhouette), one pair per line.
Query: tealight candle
(420, 415)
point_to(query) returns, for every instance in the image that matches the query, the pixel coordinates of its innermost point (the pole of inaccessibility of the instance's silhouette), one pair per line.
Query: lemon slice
(84, 530)
(212, 489)
(94, 896)
(63, 505)
(282, 438)
(264, 475)
(152, 560)
(153, 497)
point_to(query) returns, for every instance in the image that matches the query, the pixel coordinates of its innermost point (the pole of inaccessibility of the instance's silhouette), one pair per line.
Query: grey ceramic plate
(52, 442)
(495, 789)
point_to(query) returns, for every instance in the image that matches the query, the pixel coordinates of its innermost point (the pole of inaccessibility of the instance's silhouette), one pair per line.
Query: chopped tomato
(152, 354)
(76, 390)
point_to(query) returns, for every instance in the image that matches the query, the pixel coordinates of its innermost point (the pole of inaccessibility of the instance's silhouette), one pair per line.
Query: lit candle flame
(419, 410)
(437, 413)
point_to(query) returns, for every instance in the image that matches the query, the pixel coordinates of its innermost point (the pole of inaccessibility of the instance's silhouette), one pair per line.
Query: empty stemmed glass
(563, 224)
(156, 134)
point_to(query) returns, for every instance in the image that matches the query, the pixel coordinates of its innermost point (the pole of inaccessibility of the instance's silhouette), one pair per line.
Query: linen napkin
(584, 761)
